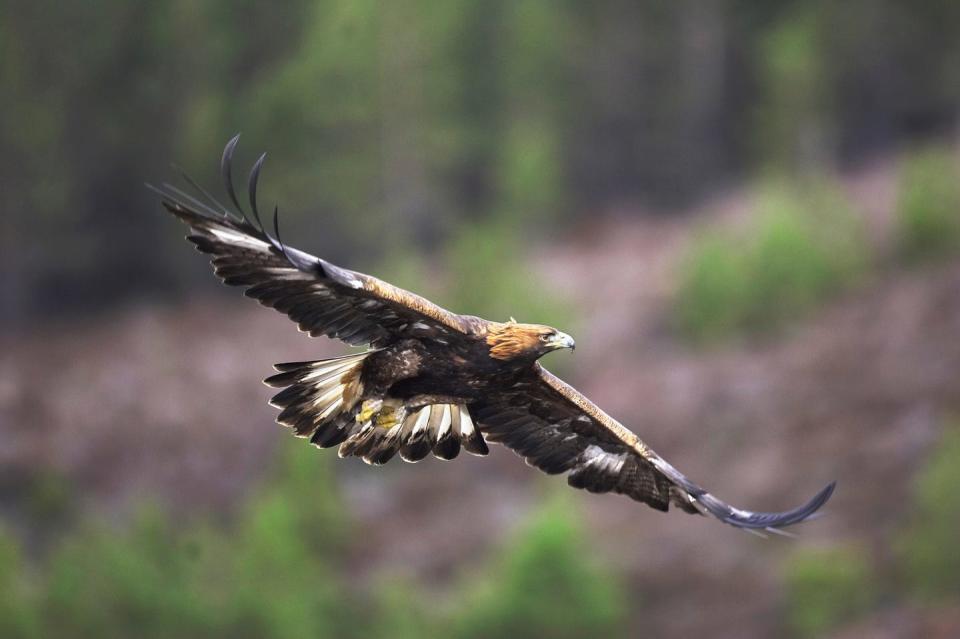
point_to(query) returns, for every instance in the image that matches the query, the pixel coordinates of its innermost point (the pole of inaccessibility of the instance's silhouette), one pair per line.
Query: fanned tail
(320, 400)
(319, 397)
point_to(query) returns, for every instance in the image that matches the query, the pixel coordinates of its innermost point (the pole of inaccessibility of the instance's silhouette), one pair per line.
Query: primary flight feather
(432, 380)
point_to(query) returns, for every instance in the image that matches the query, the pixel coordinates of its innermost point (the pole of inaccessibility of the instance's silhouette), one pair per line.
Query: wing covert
(559, 430)
(321, 297)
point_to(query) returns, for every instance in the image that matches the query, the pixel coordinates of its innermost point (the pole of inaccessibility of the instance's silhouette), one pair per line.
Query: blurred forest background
(747, 212)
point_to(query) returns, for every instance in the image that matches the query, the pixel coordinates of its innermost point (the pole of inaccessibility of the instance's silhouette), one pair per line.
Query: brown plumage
(432, 380)
(511, 339)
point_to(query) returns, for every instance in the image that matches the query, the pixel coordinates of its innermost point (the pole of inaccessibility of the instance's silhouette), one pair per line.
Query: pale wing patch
(242, 239)
(595, 467)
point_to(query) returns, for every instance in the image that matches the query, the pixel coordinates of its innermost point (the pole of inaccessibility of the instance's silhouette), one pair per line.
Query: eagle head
(512, 340)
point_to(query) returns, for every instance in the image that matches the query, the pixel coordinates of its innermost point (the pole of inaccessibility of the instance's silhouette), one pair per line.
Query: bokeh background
(747, 212)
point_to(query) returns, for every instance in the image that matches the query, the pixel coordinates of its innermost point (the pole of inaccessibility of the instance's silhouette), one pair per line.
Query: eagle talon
(389, 416)
(369, 408)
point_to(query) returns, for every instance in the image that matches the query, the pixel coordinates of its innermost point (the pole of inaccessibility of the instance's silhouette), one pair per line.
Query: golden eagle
(432, 380)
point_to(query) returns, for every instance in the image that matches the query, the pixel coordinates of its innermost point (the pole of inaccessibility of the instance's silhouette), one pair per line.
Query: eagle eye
(545, 337)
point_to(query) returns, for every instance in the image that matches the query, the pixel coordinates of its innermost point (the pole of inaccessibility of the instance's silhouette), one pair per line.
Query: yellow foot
(388, 418)
(368, 409)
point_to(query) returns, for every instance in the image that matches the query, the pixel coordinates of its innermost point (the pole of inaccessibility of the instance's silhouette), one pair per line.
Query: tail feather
(318, 397)
(417, 444)
(470, 437)
(334, 433)
(360, 441)
(318, 401)
(414, 435)
(448, 434)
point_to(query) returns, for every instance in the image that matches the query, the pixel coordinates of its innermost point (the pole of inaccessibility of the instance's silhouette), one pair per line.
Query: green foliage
(545, 585)
(409, 115)
(927, 549)
(529, 172)
(108, 584)
(391, 125)
(269, 575)
(403, 611)
(18, 619)
(928, 208)
(535, 65)
(827, 588)
(319, 516)
(275, 577)
(276, 571)
(489, 277)
(793, 110)
(806, 246)
(713, 296)
(49, 500)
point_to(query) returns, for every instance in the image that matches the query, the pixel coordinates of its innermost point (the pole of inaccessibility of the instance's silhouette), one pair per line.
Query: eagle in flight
(431, 381)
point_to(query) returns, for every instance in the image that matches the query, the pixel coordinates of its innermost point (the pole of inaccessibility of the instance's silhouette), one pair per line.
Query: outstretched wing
(324, 299)
(558, 430)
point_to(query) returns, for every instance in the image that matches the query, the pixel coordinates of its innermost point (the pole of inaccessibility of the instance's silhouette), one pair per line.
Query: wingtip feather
(766, 521)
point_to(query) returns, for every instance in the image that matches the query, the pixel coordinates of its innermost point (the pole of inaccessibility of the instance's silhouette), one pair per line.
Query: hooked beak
(561, 340)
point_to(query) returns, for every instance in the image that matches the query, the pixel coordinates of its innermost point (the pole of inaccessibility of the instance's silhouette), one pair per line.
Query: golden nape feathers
(509, 340)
